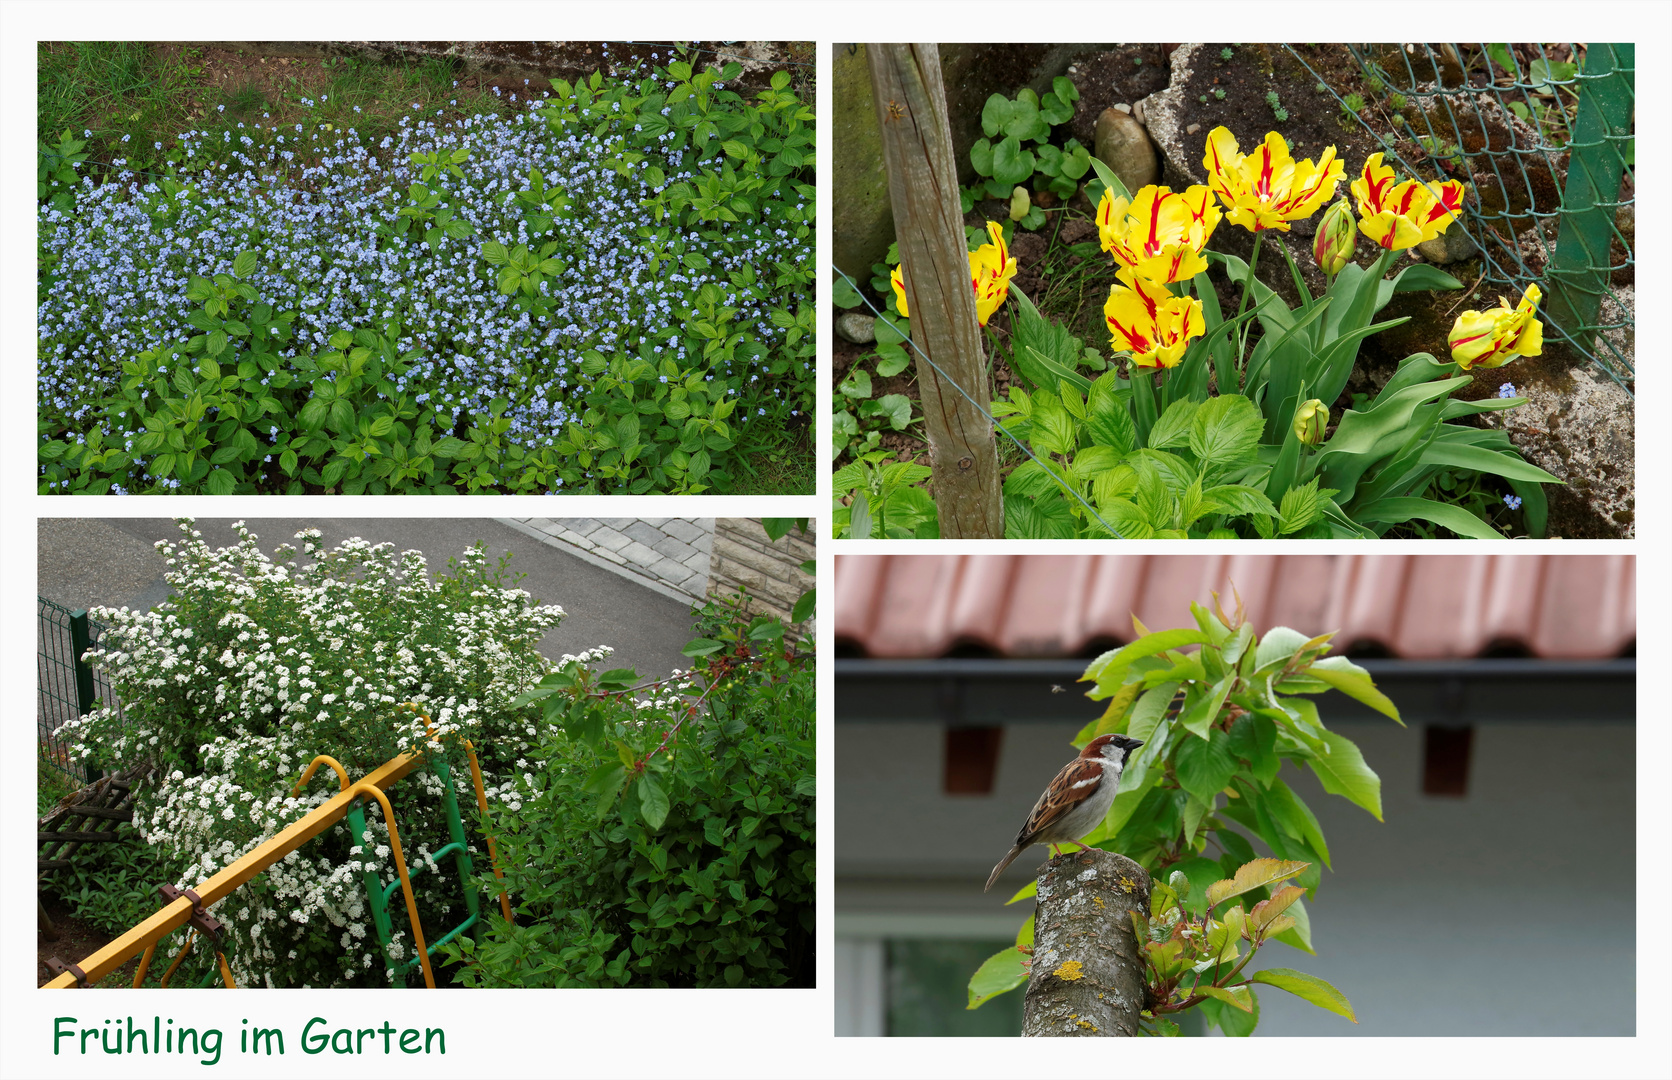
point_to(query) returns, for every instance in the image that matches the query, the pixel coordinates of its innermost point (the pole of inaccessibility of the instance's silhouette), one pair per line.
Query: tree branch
(1088, 972)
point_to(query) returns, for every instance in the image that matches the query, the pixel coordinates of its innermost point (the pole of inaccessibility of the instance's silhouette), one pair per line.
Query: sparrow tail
(1010, 857)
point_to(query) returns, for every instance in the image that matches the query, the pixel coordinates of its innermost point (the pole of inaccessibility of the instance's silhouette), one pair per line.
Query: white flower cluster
(254, 667)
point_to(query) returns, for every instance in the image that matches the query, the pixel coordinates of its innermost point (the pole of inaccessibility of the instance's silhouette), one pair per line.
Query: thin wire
(954, 384)
(1496, 257)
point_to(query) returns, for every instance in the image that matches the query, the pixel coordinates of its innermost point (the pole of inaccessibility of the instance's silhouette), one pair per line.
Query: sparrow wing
(1077, 781)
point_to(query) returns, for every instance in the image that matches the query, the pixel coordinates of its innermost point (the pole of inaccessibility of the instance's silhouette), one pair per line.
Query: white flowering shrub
(255, 666)
(609, 292)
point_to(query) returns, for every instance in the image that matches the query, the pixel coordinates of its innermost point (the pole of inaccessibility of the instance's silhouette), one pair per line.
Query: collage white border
(783, 1033)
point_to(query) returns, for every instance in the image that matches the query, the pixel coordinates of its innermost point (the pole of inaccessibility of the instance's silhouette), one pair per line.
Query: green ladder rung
(379, 895)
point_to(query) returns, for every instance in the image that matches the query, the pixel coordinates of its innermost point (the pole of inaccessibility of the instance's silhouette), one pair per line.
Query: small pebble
(1193, 129)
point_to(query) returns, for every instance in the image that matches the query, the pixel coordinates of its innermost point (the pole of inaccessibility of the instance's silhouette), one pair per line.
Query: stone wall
(745, 558)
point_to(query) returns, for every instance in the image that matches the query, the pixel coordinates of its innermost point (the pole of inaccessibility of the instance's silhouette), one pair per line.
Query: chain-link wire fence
(69, 686)
(1543, 136)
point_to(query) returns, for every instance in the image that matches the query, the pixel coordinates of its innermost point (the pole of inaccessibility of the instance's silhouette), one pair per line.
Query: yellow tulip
(1160, 234)
(1494, 337)
(1267, 189)
(1333, 246)
(1149, 322)
(991, 268)
(1311, 418)
(1400, 216)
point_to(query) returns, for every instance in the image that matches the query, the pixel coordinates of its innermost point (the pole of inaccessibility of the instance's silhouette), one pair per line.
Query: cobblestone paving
(668, 554)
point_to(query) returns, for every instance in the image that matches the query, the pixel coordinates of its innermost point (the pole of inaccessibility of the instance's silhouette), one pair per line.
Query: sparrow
(1076, 799)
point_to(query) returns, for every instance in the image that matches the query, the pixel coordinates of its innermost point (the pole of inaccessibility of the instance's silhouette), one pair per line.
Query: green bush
(669, 844)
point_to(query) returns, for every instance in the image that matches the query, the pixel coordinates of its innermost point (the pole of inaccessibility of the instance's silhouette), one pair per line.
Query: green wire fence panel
(68, 684)
(1544, 138)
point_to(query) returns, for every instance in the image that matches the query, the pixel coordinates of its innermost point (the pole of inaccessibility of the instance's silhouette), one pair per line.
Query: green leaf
(1225, 430)
(1301, 507)
(1298, 936)
(1455, 518)
(1355, 682)
(1238, 499)
(998, 974)
(1296, 817)
(1108, 670)
(1107, 420)
(1011, 164)
(844, 295)
(244, 265)
(606, 782)
(701, 647)
(1110, 180)
(653, 802)
(1309, 987)
(895, 408)
(220, 482)
(1343, 772)
(1253, 875)
(1204, 766)
(861, 526)
(1238, 996)
(857, 384)
(1173, 427)
(1234, 1022)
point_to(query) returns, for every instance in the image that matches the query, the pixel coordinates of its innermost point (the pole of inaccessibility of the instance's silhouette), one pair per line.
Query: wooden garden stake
(923, 188)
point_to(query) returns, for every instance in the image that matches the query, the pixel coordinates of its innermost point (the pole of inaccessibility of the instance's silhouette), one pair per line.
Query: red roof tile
(1412, 606)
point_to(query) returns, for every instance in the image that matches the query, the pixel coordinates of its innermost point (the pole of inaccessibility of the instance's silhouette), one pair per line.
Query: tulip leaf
(1458, 520)
(1110, 180)
(1479, 459)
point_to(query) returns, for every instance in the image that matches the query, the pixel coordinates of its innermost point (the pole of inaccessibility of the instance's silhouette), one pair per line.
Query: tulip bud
(1333, 245)
(1020, 203)
(1310, 421)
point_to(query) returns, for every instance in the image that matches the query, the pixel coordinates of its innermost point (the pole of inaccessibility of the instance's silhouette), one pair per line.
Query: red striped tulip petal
(1160, 234)
(991, 268)
(1494, 337)
(1267, 188)
(1149, 322)
(1399, 216)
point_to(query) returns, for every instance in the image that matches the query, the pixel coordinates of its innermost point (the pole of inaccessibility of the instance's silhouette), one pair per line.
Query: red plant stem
(690, 711)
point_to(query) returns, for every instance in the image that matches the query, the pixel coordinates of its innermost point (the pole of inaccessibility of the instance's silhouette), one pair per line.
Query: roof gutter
(983, 692)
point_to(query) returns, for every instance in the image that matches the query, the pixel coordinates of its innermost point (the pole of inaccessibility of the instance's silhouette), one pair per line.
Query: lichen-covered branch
(1088, 973)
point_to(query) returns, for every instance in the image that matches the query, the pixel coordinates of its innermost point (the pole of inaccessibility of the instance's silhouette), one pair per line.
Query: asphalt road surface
(85, 562)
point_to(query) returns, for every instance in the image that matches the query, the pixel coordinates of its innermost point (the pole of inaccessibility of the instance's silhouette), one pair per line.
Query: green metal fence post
(81, 639)
(1579, 272)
